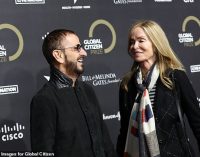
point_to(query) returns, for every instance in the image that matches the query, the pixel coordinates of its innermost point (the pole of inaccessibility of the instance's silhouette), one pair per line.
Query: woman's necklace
(144, 74)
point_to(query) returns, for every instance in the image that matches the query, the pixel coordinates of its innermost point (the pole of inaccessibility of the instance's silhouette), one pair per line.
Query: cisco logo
(12, 133)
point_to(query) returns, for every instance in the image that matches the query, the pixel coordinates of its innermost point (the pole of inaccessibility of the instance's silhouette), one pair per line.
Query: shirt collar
(60, 79)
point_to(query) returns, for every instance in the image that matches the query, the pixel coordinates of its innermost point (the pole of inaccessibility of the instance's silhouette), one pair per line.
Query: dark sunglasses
(77, 48)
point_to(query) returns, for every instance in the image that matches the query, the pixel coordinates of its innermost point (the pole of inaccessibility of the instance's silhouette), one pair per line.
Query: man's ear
(58, 55)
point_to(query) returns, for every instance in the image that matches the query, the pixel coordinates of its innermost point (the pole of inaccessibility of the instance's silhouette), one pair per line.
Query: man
(65, 114)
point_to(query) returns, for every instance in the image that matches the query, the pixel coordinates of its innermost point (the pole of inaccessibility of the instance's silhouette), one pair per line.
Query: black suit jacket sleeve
(43, 122)
(189, 102)
(121, 137)
(125, 106)
(107, 142)
(108, 145)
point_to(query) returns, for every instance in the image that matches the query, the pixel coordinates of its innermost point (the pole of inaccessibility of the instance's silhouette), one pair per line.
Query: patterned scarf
(141, 138)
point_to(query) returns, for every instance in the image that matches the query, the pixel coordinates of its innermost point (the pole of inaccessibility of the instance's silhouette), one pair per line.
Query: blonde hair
(165, 56)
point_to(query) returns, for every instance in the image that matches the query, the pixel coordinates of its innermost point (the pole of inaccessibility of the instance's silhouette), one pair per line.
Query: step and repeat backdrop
(102, 26)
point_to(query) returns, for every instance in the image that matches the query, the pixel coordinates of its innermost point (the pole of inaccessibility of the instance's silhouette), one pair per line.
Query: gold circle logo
(20, 38)
(104, 22)
(186, 21)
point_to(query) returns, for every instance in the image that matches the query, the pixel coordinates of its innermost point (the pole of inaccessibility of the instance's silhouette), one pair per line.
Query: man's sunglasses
(77, 48)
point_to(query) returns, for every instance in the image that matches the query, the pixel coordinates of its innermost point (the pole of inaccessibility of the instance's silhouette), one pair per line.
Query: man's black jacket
(68, 121)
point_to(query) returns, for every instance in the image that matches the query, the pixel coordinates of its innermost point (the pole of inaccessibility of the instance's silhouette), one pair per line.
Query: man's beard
(72, 68)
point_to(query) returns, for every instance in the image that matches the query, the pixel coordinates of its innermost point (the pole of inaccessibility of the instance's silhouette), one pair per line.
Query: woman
(150, 124)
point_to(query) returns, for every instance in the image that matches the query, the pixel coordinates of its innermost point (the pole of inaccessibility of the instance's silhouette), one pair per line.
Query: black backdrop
(103, 29)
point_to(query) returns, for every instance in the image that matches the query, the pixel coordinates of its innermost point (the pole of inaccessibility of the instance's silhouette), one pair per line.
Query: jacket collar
(59, 79)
